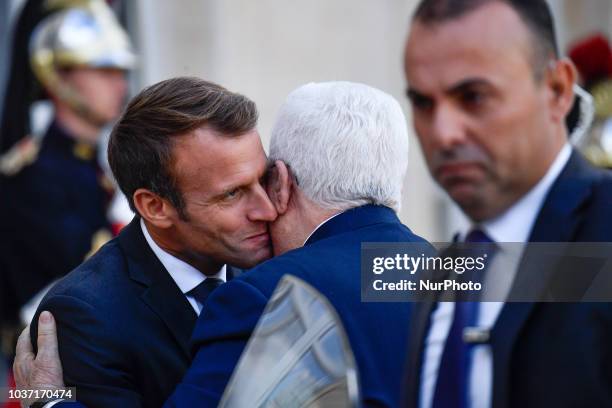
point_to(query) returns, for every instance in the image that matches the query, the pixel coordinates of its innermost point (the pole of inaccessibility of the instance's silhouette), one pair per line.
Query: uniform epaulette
(21, 155)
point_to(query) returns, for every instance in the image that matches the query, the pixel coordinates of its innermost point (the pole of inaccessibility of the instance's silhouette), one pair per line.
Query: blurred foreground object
(54, 192)
(298, 355)
(593, 58)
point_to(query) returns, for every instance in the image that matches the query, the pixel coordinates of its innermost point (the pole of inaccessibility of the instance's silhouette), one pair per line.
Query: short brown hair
(140, 147)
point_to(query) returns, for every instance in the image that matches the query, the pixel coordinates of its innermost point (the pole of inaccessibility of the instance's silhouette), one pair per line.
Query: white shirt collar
(505, 227)
(319, 226)
(186, 276)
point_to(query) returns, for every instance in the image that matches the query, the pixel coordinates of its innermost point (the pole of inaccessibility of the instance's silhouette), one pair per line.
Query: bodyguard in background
(54, 192)
(490, 94)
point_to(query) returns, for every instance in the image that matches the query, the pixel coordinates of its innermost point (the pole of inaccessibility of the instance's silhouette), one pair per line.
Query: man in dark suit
(340, 152)
(490, 95)
(188, 157)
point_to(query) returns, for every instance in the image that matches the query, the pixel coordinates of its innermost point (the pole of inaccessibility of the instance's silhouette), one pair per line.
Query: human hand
(43, 370)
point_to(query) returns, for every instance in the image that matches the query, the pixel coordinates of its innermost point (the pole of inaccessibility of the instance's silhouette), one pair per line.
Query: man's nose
(448, 127)
(262, 208)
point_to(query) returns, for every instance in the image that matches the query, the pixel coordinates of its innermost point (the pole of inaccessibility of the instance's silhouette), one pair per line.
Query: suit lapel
(160, 292)
(560, 215)
(557, 221)
(171, 305)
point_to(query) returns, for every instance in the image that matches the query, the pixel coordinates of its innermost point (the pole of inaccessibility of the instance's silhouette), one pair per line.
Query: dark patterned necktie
(201, 292)
(452, 386)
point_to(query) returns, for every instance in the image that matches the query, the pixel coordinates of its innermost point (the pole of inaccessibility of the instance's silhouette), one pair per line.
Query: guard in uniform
(54, 194)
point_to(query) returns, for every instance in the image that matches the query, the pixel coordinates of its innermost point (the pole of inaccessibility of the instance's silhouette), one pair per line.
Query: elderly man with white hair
(340, 156)
(340, 152)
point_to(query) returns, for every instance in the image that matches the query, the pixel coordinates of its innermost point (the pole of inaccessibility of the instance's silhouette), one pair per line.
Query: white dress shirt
(514, 225)
(186, 276)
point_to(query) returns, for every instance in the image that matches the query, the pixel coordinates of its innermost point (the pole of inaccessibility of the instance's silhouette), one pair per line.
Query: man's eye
(229, 195)
(473, 98)
(421, 103)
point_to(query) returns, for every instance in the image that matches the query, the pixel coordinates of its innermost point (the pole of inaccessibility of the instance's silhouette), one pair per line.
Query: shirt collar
(505, 227)
(186, 276)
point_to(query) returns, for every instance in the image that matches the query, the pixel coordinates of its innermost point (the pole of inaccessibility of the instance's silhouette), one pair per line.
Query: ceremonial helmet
(77, 33)
(50, 36)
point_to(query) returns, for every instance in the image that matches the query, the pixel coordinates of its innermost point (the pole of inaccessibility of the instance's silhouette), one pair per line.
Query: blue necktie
(451, 389)
(201, 292)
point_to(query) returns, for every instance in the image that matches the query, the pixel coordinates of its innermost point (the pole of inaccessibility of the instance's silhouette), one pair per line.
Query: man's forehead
(490, 27)
(498, 14)
(205, 142)
(205, 157)
(476, 45)
(446, 70)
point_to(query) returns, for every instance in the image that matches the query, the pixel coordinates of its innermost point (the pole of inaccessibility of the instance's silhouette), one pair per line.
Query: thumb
(23, 359)
(47, 338)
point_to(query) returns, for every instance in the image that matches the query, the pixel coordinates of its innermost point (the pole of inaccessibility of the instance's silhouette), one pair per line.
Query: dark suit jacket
(330, 261)
(548, 354)
(123, 325)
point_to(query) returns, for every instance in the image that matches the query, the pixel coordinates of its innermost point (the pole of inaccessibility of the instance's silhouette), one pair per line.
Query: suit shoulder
(392, 232)
(98, 277)
(339, 250)
(264, 277)
(96, 297)
(597, 211)
(601, 199)
(232, 310)
(603, 189)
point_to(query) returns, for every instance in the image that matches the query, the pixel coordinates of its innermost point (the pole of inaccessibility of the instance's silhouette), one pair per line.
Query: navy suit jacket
(548, 354)
(123, 325)
(330, 261)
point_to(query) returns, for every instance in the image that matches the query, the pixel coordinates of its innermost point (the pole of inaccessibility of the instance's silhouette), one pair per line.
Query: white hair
(346, 144)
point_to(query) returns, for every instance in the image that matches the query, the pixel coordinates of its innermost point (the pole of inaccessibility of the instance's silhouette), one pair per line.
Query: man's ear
(279, 186)
(153, 208)
(562, 77)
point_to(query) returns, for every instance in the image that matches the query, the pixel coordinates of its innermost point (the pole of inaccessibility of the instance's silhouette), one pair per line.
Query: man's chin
(476, 207)
(461, 191)
(468, 197)
(253, 258)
